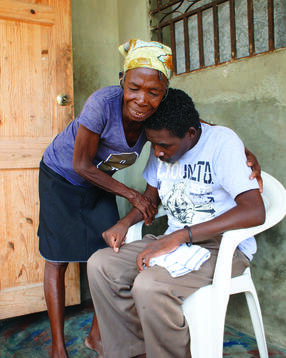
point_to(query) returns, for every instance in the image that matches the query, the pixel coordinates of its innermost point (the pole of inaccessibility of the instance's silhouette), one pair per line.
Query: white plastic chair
(205, 310)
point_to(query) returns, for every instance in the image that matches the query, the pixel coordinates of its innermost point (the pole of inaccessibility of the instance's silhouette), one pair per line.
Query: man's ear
(192, 132)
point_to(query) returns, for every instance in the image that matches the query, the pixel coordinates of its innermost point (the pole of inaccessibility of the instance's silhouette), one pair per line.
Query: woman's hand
(115, 236)
(144, 205)
(85, 149)
(252, 162)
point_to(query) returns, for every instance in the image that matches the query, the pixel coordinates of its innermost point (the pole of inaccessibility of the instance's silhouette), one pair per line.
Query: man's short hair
(177, 113)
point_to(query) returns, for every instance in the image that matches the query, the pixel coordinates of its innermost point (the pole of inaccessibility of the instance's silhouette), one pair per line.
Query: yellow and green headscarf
(150, 54)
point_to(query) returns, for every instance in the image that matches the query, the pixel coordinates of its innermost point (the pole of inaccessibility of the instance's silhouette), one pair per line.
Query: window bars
(204, 33)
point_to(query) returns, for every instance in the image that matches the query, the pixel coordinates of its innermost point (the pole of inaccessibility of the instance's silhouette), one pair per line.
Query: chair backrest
(274, 198)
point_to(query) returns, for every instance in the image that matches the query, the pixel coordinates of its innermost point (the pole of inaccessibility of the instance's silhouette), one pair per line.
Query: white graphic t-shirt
(204, 182)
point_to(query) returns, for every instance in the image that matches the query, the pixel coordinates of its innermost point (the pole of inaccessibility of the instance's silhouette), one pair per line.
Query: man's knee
(146, 286)
(97, 261)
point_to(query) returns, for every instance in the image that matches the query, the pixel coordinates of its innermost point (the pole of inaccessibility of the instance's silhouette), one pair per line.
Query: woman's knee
(52, 268)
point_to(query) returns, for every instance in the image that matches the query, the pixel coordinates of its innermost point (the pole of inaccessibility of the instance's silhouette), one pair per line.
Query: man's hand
(252, 162)
(115, 236)
(160, 247)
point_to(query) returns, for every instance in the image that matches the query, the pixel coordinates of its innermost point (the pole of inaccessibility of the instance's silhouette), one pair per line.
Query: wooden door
(35, 67)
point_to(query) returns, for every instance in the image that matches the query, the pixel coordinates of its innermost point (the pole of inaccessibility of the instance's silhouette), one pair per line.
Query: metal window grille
(205, 33)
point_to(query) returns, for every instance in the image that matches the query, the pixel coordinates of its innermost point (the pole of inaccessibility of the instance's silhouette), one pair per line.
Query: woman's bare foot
(58, 353)
(93, 340)
(94, 344)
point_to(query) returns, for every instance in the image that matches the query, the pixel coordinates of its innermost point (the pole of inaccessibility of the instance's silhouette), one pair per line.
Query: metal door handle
(63, 99)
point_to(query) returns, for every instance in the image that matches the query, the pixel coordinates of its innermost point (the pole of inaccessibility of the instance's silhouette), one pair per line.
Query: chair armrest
(135, 231)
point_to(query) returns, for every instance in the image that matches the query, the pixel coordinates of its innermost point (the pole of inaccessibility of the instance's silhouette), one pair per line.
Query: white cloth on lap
(182, 260)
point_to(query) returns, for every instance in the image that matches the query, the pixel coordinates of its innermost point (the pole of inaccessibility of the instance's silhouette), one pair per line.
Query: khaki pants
(141, 312)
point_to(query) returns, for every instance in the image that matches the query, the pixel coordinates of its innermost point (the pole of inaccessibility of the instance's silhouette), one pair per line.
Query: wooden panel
(22, 152)
(24, 11)
(29, 108)
(21, 265)
(23, 300)
(36, 65)
(64, 69)
(19, 257)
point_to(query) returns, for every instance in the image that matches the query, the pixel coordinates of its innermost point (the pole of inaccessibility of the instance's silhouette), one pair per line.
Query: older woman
(77, 191)
(76, 188)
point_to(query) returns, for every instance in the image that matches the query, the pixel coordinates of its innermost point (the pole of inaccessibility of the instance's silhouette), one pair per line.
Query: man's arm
(115, 236)
(248, 212)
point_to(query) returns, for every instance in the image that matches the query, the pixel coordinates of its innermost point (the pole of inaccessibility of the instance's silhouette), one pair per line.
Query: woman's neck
(132, 131)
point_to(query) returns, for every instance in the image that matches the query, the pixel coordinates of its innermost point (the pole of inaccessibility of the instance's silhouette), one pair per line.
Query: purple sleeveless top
(101, 114)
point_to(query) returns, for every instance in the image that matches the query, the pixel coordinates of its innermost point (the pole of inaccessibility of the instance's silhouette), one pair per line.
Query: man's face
(143, 92)
(167, 147)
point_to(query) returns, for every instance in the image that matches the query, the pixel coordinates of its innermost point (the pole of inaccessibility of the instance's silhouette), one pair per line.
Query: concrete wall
(248, 96)
(133, 20)
(95, 38)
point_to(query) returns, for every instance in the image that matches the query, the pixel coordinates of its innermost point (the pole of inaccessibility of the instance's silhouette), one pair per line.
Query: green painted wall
(95, 40)
(133, 20)
(248, 96)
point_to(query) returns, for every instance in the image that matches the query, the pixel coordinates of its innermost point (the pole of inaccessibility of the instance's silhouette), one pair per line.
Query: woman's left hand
(252, 162)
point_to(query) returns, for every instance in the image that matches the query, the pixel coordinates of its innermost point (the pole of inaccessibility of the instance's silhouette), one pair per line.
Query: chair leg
(206, 323)
(256, 318)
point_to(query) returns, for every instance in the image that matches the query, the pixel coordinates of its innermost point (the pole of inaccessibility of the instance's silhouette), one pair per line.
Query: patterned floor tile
(29, 337)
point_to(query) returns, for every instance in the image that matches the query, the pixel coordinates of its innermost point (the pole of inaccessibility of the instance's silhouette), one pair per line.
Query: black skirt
(72, 219)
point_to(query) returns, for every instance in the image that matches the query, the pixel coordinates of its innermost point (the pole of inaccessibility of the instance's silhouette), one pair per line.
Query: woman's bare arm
(86, 145)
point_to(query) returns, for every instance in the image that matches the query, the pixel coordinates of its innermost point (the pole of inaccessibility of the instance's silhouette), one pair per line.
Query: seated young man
(199, 174)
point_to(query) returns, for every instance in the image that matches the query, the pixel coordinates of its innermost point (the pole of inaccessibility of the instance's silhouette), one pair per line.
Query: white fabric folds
(182, 260)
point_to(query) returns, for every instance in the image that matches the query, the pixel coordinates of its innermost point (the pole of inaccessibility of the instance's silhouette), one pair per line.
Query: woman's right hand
(144, 205)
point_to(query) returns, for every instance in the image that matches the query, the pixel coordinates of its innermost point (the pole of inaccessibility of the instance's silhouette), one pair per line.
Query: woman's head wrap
(150, 54)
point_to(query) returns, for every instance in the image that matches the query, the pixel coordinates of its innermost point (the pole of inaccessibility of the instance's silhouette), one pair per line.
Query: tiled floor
(29, 337)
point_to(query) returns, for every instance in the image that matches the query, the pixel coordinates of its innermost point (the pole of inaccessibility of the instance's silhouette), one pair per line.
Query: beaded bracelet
(190, 235)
